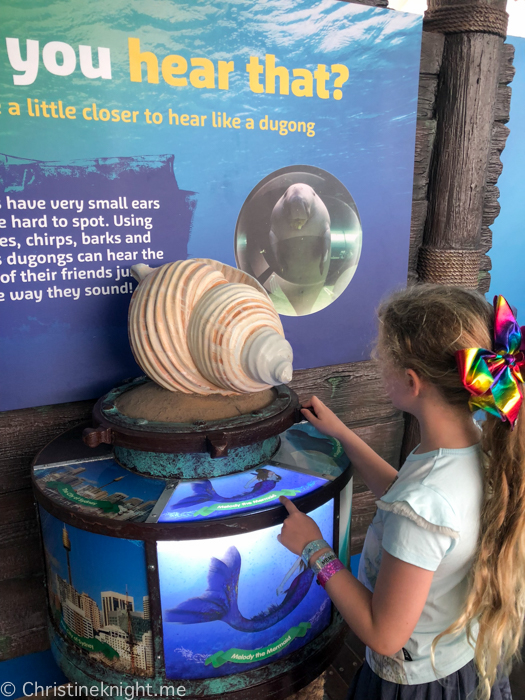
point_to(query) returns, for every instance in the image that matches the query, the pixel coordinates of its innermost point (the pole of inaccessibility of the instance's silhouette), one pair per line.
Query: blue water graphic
(70, 349)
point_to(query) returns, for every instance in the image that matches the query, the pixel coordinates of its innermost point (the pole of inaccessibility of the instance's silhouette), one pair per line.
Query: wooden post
(474, 33)
(451, 251)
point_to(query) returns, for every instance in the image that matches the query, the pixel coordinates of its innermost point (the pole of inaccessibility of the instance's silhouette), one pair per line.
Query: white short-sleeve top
(430, 518)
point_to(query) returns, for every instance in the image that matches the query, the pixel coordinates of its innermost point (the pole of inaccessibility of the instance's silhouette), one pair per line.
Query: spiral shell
(199, 326)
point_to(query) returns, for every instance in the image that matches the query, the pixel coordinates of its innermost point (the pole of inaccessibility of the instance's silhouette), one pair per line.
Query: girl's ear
(413, 382)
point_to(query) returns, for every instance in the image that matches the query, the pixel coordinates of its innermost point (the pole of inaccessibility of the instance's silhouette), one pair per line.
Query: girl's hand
(322, 418)
(298, 529)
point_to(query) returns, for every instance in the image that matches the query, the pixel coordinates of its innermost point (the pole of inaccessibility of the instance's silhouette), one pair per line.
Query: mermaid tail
(219, 597)
(219, 601)
(202, 491)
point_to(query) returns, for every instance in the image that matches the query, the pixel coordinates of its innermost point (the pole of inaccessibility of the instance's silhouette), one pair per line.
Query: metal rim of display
(215, 437)
(278, 679)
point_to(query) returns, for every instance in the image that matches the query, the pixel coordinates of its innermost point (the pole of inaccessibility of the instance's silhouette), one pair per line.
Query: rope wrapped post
(465, 107)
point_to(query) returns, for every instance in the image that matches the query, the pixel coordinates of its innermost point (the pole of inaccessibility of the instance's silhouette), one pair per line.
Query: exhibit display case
(163, 564)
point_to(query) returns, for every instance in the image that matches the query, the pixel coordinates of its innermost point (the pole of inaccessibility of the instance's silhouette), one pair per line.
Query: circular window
(299, 234)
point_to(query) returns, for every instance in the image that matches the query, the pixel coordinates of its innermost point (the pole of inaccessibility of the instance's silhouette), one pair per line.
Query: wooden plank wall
(22, 597)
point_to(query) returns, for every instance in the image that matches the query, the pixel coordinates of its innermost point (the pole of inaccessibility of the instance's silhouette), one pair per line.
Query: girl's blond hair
(421, 328)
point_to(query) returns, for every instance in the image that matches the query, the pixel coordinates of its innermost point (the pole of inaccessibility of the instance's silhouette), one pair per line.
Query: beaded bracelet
(324, 559)
(329, 570)
(312, 548)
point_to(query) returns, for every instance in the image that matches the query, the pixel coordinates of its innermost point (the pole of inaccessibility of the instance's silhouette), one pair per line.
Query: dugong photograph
(299, 234)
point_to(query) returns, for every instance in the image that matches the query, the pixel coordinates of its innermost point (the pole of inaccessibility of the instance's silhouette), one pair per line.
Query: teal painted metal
(197, 465)
(79, 670)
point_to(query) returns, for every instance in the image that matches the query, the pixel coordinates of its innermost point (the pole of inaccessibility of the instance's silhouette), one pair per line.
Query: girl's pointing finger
(290, 507)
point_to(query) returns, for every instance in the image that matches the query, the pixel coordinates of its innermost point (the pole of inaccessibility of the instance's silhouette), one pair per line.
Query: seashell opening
(267, 357)
(199, 326)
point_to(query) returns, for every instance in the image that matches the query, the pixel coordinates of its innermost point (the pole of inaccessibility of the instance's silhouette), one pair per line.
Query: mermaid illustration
(265, 481)
(219, 601)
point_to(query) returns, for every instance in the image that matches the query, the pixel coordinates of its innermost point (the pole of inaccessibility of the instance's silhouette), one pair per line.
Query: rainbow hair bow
(495, 377)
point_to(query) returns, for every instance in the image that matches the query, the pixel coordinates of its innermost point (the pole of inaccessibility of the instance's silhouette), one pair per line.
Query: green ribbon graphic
(337, 448)
(93, 645)
(250, 656)
(274, 495)
(71, 495)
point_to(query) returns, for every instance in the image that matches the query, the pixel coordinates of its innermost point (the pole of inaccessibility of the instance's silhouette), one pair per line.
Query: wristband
(312, 548)
(324, 559)
(328, 571)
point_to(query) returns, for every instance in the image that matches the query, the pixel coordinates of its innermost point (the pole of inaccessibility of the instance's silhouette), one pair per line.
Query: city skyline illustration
(103, 480)
(109, 617)
(98, 563)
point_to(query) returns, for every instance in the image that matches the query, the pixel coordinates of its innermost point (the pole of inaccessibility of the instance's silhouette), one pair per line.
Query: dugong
(300, 237)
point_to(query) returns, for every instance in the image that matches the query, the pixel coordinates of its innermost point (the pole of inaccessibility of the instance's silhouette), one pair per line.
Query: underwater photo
(243, 599)
(250, 169)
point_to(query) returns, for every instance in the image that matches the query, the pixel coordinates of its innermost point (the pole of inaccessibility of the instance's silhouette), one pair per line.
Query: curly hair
(421, 328)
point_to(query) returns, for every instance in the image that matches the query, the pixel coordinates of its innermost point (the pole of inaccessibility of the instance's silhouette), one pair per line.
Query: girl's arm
(375, 472)
(385, 619)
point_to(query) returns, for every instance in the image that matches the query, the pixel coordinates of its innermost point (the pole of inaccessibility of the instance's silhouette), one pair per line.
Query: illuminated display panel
(235, 603)
(304, 447)
(100, 487)
(98, 595)
(237, 493)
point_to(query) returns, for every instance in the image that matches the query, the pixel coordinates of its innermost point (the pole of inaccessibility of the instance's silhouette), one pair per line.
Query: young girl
(440, 596)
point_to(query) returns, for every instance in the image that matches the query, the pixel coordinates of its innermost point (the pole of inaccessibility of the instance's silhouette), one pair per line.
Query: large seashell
(199, 326)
